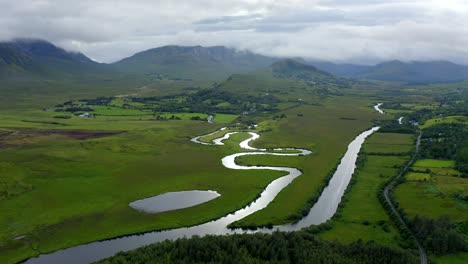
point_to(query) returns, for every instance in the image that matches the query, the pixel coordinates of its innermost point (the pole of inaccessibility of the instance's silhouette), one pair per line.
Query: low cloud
(362, 31)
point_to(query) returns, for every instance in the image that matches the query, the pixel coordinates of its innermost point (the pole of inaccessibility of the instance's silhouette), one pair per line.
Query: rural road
(422, 251)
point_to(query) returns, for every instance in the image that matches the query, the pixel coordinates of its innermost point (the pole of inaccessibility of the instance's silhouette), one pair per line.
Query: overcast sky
(358, 31)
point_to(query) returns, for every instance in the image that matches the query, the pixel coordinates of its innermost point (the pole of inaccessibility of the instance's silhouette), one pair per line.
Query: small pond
(173, 200)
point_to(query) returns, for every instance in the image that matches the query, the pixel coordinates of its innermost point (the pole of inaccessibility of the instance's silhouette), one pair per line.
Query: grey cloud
(225, 19)
(361, 31)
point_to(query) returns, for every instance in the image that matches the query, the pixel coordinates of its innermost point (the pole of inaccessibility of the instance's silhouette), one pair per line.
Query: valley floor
(45, 173)
(66, 180)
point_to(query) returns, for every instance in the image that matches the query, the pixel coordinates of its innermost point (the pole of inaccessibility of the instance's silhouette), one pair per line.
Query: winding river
(400, 120)
(377, 108)
(322, 210)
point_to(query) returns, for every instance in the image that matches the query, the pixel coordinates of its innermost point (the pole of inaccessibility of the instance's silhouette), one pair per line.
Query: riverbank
(114, 163)
(99, 250)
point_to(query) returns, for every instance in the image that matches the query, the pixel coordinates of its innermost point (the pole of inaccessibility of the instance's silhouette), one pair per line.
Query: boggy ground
(61, 192)
(76, 191)
(321, 129)
(362, 216)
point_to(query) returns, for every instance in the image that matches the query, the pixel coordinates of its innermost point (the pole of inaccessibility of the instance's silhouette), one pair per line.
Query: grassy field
(362, 215)
(49, 172)
(445, 120)
(218, 134)
(60, 191)
(185, 116)
(389, 143)
(397, 111)
(433, 163)
(320, 129)
(437, 195)
(432, 199)
(438, 171)
(420, 106)
(418, 176)
(116, 111)
(18, 96)
(46, 173)
(460, 258)
(224, 118)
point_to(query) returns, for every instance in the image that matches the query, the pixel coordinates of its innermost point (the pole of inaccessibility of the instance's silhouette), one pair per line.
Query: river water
(173, 201)
(377, 108)
(323, 210)
(400, 120)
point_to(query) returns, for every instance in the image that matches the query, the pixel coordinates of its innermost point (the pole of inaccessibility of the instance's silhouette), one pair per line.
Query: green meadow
(47, 174)
(418, 176)
(397, 111)
(414, 106)
(433, 163)
(361, 216)
(67, 180)
(388, 143)
(445, 120)
(224, 118)
(460, 258)
(434, 189)
(218, 134)
(185, 116)
(320, 129)
(118, 111)
(74, 190)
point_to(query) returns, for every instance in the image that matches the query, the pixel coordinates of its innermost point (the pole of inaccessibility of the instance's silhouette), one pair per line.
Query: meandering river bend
(377, 108)
(323, 210)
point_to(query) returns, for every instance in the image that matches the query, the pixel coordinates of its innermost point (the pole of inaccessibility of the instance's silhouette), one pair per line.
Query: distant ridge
(293, 68)
(33, 58)
(29, 58)
(193, 62)
(408, 72)
(42, 48)
(299, 70)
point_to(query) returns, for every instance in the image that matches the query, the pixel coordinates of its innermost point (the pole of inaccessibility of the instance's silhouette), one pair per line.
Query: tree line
(438, 235)
(278, 247)
(447, 141)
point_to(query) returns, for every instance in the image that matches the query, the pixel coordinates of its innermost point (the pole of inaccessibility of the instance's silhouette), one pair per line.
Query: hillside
(296, 69)
(345, 69)
(417, 72)
(408, 72)
(28, 58)
(291, 68)
(39, 59)
(193, 62)
(285, 77)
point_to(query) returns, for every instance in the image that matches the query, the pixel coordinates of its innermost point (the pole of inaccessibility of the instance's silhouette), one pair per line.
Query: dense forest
(391, 126)
(279, 247)
(438, 235)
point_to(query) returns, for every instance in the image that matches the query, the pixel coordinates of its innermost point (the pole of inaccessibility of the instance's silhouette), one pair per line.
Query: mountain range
(408, 72)
(26, 58)
(216, 62)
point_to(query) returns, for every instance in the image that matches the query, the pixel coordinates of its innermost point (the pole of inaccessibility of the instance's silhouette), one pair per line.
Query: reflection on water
(377, 108)
(173, 200)
(323, 210)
